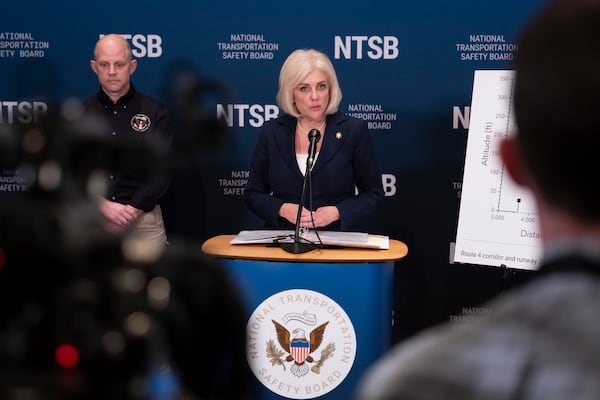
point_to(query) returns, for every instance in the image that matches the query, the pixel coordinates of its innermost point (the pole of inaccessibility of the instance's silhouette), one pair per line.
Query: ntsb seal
(140, 122)
(301, 344)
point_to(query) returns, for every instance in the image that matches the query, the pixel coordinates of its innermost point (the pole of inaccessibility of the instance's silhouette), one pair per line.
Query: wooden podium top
(220, 246)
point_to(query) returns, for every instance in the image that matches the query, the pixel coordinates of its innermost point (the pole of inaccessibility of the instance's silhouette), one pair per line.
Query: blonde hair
(296, 67)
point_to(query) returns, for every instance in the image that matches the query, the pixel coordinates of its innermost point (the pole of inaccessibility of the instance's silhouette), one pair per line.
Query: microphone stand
(300, 245)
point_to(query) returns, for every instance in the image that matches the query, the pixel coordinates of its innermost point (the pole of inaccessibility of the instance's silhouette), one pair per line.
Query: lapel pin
(338, 135)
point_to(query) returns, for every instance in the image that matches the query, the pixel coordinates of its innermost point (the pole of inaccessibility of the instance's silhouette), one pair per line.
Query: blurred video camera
(84, 315)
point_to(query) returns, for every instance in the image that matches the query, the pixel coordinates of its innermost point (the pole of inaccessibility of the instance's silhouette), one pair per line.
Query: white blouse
(302, 158)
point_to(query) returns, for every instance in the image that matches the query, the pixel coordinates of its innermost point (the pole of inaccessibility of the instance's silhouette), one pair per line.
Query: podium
(317, 320)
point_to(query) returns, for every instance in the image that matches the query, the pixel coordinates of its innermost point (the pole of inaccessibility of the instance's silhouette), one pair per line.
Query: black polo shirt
(134, 119)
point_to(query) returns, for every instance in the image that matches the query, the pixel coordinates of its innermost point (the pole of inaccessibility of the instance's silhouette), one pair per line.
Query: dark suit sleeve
(355, 209)
(257, 193)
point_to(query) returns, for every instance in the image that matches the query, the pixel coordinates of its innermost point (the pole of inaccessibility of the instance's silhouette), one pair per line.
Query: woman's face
(311, 96)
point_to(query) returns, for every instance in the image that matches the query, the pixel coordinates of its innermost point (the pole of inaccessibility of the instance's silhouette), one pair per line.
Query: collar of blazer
(333, 139)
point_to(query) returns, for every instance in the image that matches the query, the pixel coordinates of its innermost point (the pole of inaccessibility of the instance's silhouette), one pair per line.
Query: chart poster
(497, 224)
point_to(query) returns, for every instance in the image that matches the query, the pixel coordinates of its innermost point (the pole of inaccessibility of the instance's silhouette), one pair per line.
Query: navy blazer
(345, 173)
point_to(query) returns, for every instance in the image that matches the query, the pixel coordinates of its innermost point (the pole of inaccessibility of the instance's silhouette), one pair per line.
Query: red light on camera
(66, 356)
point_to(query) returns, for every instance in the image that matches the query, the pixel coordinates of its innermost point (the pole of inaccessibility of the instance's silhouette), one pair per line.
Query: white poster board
(497, 222)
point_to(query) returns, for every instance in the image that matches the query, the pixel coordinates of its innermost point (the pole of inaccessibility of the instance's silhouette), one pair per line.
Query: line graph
(497, 222)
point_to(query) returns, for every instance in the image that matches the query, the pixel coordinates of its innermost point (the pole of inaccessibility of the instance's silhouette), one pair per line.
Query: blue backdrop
(407, 67)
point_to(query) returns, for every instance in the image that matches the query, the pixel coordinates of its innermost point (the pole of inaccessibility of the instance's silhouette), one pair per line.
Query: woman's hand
(323, 216)
(289, 211)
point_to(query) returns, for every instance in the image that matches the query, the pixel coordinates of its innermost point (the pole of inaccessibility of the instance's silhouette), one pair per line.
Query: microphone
(313, 137)
(300, 245)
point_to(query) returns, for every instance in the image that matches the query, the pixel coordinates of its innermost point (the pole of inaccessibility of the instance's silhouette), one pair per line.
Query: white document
(331, 238)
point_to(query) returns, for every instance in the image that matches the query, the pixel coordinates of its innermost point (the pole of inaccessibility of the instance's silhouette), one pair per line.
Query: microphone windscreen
(314, 134)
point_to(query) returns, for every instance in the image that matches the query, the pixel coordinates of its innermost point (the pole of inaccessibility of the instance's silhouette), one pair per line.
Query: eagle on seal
(299, 349)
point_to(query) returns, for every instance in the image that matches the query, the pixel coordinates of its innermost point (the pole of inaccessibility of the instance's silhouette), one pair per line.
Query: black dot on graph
(518, 200)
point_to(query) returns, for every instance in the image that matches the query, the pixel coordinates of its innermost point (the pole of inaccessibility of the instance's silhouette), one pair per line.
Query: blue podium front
(316, 321)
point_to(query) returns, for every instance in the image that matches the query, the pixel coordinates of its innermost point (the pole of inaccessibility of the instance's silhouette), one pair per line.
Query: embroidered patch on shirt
(140, 122)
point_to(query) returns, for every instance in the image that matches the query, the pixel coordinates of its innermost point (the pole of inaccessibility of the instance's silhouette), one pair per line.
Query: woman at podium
(313, 138)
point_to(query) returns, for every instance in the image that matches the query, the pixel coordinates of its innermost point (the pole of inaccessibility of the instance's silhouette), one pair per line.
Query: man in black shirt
(132, 200)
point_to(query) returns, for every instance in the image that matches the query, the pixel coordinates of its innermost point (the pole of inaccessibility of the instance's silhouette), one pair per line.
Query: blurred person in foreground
(132, 200)
(541, 340)
(346, 182)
